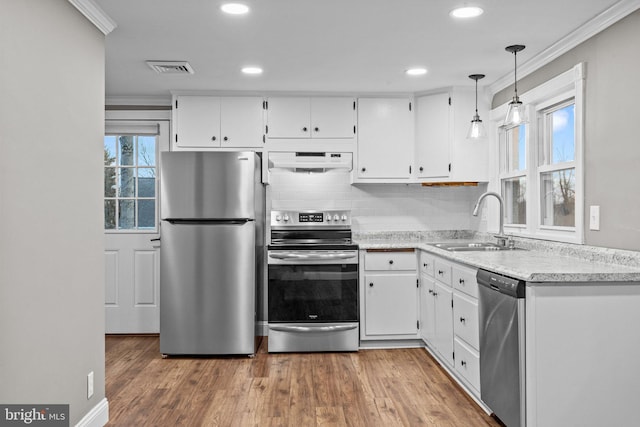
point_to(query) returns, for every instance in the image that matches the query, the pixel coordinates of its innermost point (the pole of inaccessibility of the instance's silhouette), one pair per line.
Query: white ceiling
(328, 45)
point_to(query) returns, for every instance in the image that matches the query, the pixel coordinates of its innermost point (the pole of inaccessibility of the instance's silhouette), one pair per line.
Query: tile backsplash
(378, 206)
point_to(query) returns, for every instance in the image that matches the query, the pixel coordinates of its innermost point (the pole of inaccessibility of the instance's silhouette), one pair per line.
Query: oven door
(312, 286)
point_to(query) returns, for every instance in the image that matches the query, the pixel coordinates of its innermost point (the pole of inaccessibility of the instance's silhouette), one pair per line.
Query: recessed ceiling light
(235, 8)
(416, 71)
(252, 70)
(466, 12)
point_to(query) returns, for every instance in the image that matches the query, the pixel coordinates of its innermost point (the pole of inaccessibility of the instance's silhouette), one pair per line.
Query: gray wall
(612, 142)
(51, 237)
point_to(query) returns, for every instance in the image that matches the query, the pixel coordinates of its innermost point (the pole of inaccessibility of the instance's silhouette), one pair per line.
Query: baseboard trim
(98, 416)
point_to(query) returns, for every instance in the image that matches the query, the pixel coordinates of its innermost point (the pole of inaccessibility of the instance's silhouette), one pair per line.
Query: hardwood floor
(402, 387)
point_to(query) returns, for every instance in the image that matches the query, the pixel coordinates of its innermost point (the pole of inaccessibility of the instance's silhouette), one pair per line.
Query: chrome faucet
(502, 239)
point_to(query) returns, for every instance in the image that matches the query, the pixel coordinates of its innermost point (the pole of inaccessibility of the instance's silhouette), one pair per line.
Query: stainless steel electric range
(312, 282)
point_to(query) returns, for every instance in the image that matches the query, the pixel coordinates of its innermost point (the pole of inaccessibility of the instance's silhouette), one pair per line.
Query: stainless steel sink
(471, 246)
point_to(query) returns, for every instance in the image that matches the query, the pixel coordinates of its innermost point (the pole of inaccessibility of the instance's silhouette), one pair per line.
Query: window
(540, 162)
(130, 185)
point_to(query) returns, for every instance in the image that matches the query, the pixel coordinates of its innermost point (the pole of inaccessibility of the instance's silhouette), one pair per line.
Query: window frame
(155, 128)
(538, 102)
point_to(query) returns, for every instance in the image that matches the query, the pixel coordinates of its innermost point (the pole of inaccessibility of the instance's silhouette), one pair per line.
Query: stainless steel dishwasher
(501, 312)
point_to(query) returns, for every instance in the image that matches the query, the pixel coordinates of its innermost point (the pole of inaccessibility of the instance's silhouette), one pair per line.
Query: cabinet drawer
(467, 363)
(464, 280)
(442, 271)
(427, 262)
(465, 319)
(390, 261)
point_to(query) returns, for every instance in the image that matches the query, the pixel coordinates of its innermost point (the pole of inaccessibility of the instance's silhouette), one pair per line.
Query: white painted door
(443, 339)
(391, 304)
(433, 139)
(132, 259)
(197, 121)
(288, 117)
(333, 117)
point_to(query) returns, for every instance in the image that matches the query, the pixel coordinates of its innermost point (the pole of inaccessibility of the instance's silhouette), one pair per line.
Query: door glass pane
(109, 182)
(127, 214)
(127, 150)
(146, 214)
(558, 198)
(146, 182)
(563, 135)
(109, 150)
(146, 151)
(127, 182)
(109, 214)
(515, 200)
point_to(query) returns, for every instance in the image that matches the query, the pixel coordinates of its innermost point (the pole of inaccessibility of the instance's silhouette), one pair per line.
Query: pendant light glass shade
(476, 130)
(515, 112)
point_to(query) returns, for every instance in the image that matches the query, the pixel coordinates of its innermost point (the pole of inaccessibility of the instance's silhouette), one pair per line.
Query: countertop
(538, 263)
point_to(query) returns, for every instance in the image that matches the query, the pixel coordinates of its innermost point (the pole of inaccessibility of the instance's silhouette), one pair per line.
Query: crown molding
(95, 14)
(600, 22)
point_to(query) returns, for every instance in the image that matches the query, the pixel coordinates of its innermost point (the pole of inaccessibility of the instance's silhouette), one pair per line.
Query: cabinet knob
(213, 138)
(431, 291)
(225, 138)
(390, 261)
(463, 320)
(363, 169)
(421, 169)
(463, 363)
(461, 281)
(316, 129)
(371, 285)
(425, 264)
(435, 294)
(440, 272)
(304, 129)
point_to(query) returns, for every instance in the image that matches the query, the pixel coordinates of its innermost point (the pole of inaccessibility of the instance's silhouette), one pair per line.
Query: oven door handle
(311, 257)
(311, 329)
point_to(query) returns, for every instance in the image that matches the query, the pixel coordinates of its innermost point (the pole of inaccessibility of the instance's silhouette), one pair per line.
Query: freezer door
(207, 288)
(208, 185)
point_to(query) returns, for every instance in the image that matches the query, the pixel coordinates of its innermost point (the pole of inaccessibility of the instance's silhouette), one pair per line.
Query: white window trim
(142, 127)
(569, 84)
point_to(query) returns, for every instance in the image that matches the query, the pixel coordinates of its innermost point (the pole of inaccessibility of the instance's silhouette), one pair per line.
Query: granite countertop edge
(555, 265)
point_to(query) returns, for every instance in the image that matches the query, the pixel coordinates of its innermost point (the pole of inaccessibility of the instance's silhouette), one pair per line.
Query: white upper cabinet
(443, 153)
(433, 123)
(302, 117)
(385, 139)
(210, 122)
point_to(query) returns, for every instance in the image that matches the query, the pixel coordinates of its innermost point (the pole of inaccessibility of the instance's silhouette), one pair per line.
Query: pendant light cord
(515, 73)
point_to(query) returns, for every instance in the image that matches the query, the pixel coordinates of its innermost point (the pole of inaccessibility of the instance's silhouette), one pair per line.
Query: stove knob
(328, 216)
(286, 218)
(278, 218)
(344, 218)
(336, 218)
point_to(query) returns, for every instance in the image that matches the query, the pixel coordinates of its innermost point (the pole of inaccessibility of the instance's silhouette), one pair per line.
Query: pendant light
(476, 130)
(515, 113)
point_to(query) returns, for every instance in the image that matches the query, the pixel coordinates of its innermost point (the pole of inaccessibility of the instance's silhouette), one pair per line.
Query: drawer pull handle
(390, 262)
(430, 291)
(440, 272)
(463, 320)
(461, 281)
(435, 294)
(463, 363)
(425, 264)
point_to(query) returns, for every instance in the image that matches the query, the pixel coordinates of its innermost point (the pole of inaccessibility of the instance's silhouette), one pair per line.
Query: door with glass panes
(131, 191)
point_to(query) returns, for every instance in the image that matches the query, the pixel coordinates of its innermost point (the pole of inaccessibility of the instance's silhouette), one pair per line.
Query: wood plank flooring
(400, 387)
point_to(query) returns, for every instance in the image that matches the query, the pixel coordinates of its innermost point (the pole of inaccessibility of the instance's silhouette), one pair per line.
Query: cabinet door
(465, 319)
(433, 136)
(241, 122)
(443, 340)
(391, 304)
(289, 117)
(332, 117)
(385, 138)
(197, 121)
(427, 308)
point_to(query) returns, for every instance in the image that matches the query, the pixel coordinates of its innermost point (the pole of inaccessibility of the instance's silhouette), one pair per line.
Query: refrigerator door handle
(311, 329)
(231, 221)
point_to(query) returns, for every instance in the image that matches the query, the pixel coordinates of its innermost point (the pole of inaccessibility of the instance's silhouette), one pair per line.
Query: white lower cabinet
(449, 317)
(389, 295)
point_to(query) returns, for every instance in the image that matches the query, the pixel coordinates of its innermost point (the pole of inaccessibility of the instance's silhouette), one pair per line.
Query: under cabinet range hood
(296, 161)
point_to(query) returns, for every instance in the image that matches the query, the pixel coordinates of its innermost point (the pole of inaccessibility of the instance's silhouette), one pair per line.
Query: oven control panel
(311, 218)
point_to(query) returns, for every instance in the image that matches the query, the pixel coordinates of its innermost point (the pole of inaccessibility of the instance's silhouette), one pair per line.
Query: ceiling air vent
(170, 67)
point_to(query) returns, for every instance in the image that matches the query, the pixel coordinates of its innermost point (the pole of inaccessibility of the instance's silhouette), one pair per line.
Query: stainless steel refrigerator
(212, 252)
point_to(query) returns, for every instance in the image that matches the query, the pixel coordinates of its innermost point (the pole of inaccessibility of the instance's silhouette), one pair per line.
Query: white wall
(611, 143)
(51, 238)
(378, 207)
